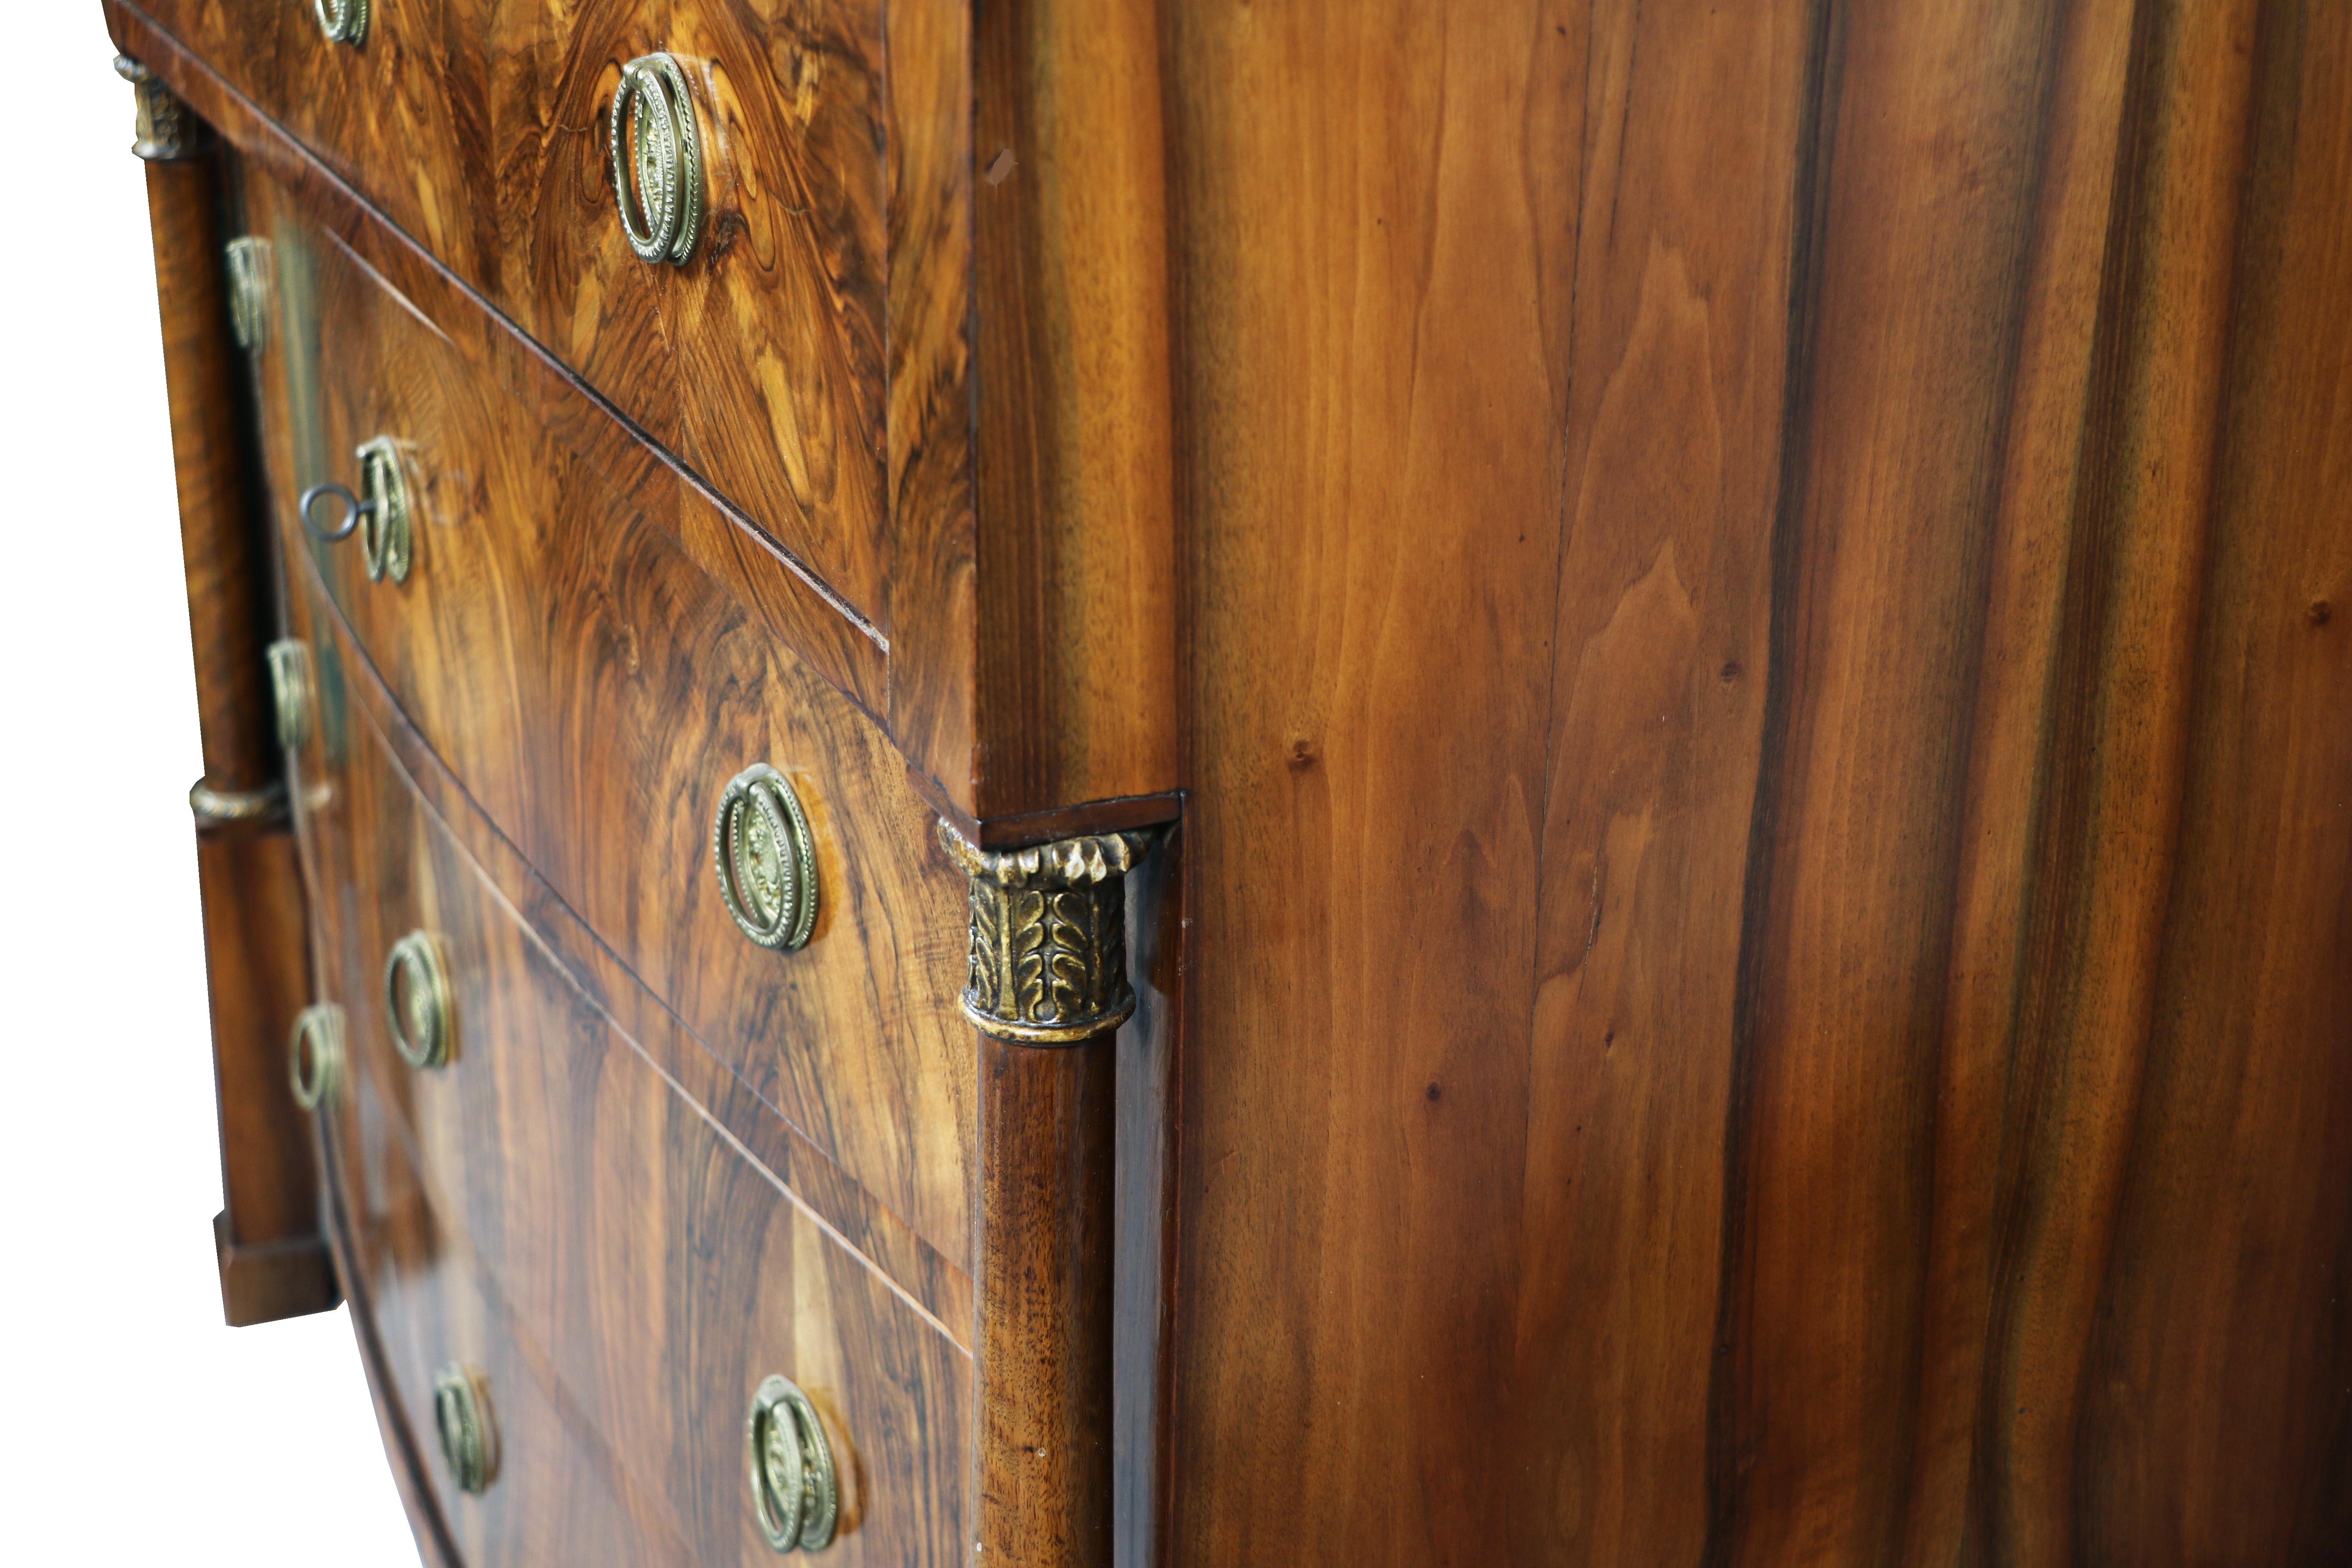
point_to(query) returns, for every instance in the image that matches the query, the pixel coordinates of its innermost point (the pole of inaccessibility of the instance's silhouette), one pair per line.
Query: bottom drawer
(545, 1208)
(541, 1496)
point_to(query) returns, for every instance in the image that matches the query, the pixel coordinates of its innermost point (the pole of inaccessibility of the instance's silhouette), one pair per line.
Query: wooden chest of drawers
(1193, 785)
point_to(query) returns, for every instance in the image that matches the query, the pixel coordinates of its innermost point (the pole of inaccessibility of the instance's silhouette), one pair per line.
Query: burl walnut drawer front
(565, 1223)
(596, 692)
(481, 128)
(423, 1317)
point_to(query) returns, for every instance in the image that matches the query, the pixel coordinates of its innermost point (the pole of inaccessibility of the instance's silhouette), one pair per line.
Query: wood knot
(2319, 613)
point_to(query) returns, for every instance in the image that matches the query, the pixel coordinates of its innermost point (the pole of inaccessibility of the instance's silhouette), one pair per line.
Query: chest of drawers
(1046, 784)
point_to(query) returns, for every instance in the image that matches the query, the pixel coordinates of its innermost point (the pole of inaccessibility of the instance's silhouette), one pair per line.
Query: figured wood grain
(928, 135)
(1767, 846)
(2216, 1397)
(592, 687)
(777, 587)
(423, 1310)
(578, 1228)
(404, 1443)
(817, 456)
(478, 127)
(934, 1284)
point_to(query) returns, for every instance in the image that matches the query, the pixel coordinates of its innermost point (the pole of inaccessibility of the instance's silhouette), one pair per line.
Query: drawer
(636, 1270)
(595, 691)
(419, 1309)
(478, 126)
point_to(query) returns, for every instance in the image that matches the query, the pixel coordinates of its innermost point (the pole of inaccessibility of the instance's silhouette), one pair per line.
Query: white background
(134, 1427)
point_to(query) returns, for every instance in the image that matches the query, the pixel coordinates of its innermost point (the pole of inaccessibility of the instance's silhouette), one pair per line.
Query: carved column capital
(1048, 936)
(167, 130)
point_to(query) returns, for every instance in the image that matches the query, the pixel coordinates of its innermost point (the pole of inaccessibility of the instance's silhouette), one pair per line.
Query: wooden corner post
(273, 1261)
(1048, 990)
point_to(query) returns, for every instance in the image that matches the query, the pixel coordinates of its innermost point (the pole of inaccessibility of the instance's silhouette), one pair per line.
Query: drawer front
(596, 690)
(478, 127)
(420, 1311)
(630, 1267)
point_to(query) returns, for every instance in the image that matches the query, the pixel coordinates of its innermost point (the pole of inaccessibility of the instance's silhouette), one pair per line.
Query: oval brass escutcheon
(416, 1002)
(385, 513)
(344, 21)
(317, 1049)
(293, 691)
(796, 1488)
(469, 1439)
(766, 858)
(657, 159)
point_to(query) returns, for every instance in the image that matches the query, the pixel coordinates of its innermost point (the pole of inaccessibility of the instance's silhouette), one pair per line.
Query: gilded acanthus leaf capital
(1048, 960)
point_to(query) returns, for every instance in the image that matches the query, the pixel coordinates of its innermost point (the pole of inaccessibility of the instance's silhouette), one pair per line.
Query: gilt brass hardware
(165, 129)
(416, 1002)
(657, 159)
(293, 691)
(248, 259)
(796, 1489)
(469, 1439)
(1048, 962)
(236, 807)
(379, 514)
(384, 530)
(317, 1049)
(766, 858)
(344, 21)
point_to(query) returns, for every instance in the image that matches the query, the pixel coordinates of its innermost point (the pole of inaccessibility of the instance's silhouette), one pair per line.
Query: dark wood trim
(1074, 668)
(1017, 832)
(262, 1283)
(272, 1262)
(1042, 1248)
(258, 974)
(227, 567)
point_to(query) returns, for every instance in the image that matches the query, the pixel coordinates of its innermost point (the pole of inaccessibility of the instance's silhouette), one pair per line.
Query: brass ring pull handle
(344, 21)
(292, 691)
(766, 858)
(796, 1488)
(379, 514)
(416, 1002)
(656, 160)
(317, 1049)
(469, 1439)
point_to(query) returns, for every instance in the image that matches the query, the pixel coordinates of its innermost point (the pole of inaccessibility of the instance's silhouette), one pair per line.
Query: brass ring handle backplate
(384, 532)
(656, 157)
(416, 1002)
(795, 1487)
(766, 858)
(344, 21)
(469, 1438)
(379, 514)
(317, 1049)
(292, 691)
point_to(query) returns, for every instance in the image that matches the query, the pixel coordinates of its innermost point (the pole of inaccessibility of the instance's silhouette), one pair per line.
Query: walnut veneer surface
(1730, 621)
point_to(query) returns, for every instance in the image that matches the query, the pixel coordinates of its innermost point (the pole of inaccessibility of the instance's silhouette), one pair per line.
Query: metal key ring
(354, 509)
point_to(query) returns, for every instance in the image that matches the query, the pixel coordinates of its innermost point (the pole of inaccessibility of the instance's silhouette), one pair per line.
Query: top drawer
(479, 127)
